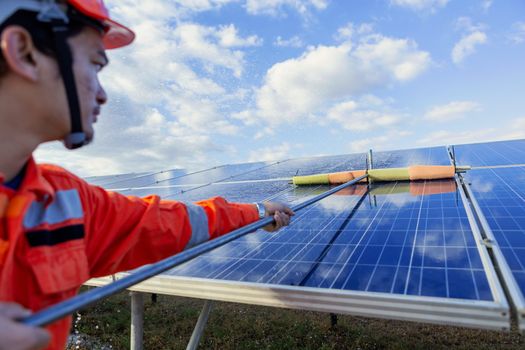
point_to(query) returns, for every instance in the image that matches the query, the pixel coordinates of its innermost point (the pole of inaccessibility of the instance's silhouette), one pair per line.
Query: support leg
(333, 320)
(137, 320)
(199, 327)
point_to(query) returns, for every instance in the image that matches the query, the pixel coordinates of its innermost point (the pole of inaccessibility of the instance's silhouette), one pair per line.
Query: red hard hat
(116, 35)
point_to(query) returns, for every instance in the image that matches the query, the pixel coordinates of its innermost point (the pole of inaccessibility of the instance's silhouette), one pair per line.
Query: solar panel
(491, 153)
(397, 245)
(500, 194)
(418, 156)
(235, 192)
(181, 177)
(307, 166)
(109, 179)
(400, 250)
(146, 179)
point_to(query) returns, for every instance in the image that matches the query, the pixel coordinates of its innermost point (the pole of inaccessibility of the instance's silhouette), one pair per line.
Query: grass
(169, 322)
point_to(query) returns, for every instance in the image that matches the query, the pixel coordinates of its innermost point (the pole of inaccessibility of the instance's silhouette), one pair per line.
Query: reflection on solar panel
(500, 194)
(109, 179)
(491, 153)
(396, 245)
(306, 166)
(404, 158)
(400, 250)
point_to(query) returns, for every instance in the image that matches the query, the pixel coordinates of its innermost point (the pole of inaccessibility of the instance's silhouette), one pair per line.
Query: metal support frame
(507, 279)
(370, 160)
(137, 320)
(200, 325)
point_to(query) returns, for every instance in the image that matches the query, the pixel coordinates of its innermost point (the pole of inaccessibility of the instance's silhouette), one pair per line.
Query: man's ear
(19, 52)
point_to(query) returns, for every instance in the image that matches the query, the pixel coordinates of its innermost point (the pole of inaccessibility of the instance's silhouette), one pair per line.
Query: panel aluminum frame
(474, 314)
(518, 299)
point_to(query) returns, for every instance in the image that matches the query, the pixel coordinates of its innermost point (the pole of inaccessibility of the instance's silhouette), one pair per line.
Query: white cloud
(228, 37)
(447, 137)
(294, 41)
(467, 46)
(465, 24)
(211, 45)
(174, 9)
(324, 76)
(451, 111)
(517, 36)
(486, 4)
(267, 154)
(349, 31)
(386, 141)
(419, 5)
(276, 7)
(355, 116)
(514, 129)
(474, 35)
(80, 163)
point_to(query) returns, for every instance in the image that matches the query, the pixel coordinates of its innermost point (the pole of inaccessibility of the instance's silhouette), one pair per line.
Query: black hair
(41, 33)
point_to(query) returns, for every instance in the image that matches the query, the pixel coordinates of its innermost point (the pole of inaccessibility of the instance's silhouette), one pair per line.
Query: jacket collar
(35, 182)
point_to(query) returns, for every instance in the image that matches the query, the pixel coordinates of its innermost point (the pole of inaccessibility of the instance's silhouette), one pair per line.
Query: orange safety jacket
(57, 231)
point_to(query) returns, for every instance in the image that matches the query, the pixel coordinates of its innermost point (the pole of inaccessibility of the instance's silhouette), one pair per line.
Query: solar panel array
(411, 250)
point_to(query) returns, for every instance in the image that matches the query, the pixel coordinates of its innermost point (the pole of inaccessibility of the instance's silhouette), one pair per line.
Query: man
(56, 230)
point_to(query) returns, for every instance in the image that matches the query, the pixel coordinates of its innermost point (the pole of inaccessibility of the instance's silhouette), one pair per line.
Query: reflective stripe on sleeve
(66, 206)
(199, 225)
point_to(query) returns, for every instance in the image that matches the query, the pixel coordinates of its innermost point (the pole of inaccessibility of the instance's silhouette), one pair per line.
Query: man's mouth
(96, 113)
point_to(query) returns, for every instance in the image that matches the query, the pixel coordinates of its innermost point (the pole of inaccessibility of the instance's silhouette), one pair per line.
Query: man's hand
(281, 214)
(16, 336)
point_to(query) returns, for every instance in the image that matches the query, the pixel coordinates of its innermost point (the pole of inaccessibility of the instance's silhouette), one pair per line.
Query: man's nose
(102, 97)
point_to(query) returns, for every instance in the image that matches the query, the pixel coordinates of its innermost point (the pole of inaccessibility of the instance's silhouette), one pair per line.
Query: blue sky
(211, 82)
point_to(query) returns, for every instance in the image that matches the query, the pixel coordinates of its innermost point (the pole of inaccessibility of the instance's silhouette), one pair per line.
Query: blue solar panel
(491, 153)
(391, 241)
(501, 196)
(406, 242)
(109, 179)
(146, 179)
(242, 192)
(180, 177)
(418, 156)
(307, 166)
(197, 186)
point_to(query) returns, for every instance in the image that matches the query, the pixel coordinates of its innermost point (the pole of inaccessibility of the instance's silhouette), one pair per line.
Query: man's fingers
(41, 338)
(278, 220)
(13, 311)
(281, 214)
(289, 211)
(16, 336)
(284, 218)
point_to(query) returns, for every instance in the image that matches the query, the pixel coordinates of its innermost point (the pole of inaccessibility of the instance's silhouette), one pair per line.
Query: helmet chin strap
(58, 20)
(77, 138)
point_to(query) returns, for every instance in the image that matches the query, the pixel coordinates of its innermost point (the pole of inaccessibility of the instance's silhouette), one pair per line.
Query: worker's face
(88, 59)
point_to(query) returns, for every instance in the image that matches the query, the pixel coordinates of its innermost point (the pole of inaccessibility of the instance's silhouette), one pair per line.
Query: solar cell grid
(181, 177)
(491, 153)
(147, 179)
(108, 179)
(307, 166)
(398, 244)
(404, 158)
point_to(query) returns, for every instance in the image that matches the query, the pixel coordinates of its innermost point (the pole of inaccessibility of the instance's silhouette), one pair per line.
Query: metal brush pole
(80, 301)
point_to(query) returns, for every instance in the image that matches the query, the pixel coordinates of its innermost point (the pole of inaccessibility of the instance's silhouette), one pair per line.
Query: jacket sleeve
(123, 233)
